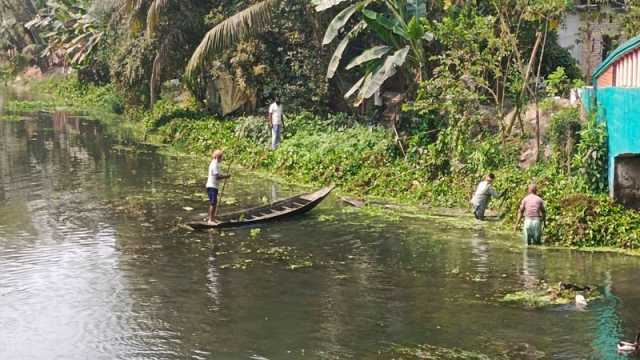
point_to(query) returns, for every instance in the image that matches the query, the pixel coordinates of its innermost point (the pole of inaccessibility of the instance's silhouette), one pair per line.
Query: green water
(95, 265)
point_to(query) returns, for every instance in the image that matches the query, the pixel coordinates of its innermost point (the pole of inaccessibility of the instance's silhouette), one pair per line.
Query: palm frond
(153, 15)
(233, 29)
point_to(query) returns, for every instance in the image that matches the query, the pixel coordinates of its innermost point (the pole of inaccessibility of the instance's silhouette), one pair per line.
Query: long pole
(224, 184)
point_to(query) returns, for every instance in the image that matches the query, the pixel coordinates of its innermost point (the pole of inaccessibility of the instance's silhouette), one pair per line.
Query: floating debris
(542, 295)
(255, 232)
(358, 203)
(326, 218)
(431, 352)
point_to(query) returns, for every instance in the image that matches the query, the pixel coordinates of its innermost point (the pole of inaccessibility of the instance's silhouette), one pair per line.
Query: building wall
(569, 35)
(606, 79)
(627, 70)
(619, 108)
(581, 33)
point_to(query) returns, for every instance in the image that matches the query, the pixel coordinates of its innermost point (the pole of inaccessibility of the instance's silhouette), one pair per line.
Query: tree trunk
(520, 97)
(154, 82)
(569, 150)
(544, 43)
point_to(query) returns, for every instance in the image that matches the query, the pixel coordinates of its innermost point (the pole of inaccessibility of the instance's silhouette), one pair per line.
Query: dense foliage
(197, 75)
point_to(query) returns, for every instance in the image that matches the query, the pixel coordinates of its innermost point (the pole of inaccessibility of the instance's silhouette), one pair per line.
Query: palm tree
(233, 29)
(145, 16)
(227, 33)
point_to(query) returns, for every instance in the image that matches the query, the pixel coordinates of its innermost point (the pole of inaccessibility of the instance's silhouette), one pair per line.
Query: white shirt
(212, 176)
(276, 114)
(483, 193)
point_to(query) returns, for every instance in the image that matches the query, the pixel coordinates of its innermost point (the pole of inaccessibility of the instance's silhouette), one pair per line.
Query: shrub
(557, 83)
(590, 221)
(564, 133)
(590, 159)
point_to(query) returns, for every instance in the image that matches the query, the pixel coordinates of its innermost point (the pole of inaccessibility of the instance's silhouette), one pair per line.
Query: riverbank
(389, 282)
(365, 161)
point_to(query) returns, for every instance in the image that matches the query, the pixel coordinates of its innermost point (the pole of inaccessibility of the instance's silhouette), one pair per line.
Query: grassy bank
(365, 160)
(57, 93)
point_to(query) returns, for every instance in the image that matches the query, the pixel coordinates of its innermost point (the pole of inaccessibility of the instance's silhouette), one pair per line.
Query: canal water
(95, 264)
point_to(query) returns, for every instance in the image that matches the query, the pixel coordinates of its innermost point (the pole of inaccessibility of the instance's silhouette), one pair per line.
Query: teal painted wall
(620, 108)
(587, 98)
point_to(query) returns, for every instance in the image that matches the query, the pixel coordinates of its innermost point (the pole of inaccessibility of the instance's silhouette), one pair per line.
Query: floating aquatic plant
(542, 295)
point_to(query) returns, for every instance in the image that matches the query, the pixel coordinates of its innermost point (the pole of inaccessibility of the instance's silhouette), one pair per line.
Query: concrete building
(590, 31)
(616, 88)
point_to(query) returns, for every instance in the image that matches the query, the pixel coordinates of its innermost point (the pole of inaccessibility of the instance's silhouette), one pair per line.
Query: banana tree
(69, 30)
(398, 27)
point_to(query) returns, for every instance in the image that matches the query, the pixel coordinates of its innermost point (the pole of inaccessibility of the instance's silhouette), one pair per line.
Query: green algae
(543, 295)
(430, 352)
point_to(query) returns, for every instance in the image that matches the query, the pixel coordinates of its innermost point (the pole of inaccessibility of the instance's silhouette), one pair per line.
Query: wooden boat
(280, 209)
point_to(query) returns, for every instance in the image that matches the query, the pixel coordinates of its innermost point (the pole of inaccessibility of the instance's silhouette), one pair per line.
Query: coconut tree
(230, 31)
(396, 28)
(165, 26)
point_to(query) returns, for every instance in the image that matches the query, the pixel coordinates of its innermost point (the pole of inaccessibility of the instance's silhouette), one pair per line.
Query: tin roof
(620, 51)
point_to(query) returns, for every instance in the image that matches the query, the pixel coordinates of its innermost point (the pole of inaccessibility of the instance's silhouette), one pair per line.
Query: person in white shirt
(276, 123)
(482, 196)
(213, 175)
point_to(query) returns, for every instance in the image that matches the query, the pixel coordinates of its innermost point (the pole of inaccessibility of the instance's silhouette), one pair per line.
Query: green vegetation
(458, 80)
(543, 295)
(366, 160)
(399, 29)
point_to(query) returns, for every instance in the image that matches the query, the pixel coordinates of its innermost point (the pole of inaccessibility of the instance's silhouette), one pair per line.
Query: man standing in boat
(532, 208)
(212, 183)
(276, 123)
(482, 196)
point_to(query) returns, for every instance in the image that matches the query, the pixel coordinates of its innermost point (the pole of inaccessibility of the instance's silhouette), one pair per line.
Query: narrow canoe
(280, 209)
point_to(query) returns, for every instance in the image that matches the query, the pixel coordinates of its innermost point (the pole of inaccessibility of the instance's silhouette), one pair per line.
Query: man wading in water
(532, 207)
(482, 196)
(275, 123)
(212, 183)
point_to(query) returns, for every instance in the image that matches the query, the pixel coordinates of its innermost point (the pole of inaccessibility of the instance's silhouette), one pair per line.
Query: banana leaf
(417, 8)
(338, 23)
(357, 86)
(337, 55)
(387, 70)
(373, 53)
(322, 5)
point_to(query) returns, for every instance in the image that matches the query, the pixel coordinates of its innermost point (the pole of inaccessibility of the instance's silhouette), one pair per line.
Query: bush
(557, 83)
(590, 159)
(165, 111)
(564, 133)
(592, 221)
(353, 157)
(366, 160)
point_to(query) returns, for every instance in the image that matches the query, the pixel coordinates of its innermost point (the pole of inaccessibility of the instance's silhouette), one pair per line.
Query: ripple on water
(78, 282)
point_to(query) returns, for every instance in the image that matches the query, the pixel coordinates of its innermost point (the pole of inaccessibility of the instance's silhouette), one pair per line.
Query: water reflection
(607, 324)
(213, 273)
(530, 274)
(480, 250)
(92, 266)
